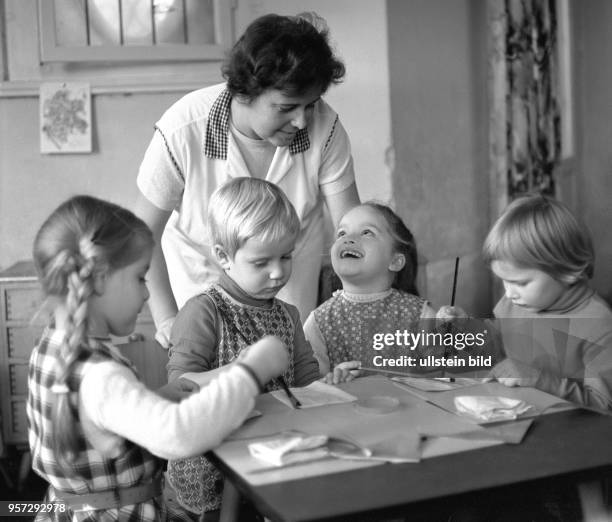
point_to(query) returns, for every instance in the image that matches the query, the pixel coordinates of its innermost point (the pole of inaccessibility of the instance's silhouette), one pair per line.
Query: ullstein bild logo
(433, 361)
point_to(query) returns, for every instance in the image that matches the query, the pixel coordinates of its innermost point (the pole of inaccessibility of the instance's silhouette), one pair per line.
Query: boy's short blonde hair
(540, 232)
(244, 208)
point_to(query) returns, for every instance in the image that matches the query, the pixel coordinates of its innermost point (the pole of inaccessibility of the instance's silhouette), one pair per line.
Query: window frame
(22, 70)
(51, 51)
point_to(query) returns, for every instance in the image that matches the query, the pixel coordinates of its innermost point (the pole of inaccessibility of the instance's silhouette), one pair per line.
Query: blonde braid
(80, 288)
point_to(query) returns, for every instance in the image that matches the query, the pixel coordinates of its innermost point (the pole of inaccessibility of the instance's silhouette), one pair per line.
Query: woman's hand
(161, 302)
(343, 372)
(162, 335)
(511, 372)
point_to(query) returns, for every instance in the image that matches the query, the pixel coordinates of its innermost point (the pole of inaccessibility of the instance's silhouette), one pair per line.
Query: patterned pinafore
(348, 327)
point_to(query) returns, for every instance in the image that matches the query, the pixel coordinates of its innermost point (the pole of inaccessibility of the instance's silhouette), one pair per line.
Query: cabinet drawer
(22, 303)
(18, 379)
(21, 340)
(18, 427)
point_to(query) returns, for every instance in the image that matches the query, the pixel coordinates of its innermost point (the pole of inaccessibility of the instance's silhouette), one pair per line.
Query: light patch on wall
(65, 118)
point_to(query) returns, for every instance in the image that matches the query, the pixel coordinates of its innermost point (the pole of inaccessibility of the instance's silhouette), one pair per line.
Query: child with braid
(96, 433)
(253, 228)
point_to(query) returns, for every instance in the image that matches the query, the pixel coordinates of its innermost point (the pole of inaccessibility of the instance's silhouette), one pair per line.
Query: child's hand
(268, 358)
(450, 313)
(511, 372)
(343, 372)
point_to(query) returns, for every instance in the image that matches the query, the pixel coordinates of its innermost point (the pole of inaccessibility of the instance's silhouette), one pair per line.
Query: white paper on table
(315, 394)
(432, 384)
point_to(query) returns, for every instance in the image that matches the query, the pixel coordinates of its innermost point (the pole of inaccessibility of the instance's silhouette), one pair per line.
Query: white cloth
(486, 408)
(175, 175)
(290, 448)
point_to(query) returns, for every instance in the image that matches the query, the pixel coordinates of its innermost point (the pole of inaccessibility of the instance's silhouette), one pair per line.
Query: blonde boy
(253, 228)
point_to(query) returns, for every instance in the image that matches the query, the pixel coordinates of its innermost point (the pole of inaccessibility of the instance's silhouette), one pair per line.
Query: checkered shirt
(217, 129)
(91, 472)
(197, 483)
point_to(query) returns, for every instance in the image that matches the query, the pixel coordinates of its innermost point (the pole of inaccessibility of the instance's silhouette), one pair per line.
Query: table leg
(5, 475)
(594, 508)
(25, 467)
(230, 503)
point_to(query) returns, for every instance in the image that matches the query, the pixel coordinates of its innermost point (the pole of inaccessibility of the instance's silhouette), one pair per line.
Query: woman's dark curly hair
(288, 53)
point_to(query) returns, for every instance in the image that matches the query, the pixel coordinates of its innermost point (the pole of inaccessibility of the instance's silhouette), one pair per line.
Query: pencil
(292, 398)
(452, 302)
(280, 380)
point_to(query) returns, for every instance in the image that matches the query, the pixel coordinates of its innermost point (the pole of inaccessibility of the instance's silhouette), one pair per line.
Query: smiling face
(528, 288)
(119, 298)
(260, 268)
(363, 254)
(274, 116)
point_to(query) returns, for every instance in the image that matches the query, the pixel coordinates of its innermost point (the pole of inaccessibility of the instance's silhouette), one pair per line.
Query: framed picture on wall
(65, 118)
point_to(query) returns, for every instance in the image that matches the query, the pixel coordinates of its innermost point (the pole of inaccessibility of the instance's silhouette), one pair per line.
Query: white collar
(366, 298)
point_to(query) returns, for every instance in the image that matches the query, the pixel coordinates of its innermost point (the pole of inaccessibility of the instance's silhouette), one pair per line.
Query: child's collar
(366, 298)
(573, 297)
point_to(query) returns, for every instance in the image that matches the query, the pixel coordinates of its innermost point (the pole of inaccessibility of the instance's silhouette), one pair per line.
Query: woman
(267, 121)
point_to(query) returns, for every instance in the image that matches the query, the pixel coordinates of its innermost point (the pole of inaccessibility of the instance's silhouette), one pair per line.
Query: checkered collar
(217, 129)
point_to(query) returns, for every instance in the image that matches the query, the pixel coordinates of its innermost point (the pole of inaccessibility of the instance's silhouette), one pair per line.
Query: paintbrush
(452, 301)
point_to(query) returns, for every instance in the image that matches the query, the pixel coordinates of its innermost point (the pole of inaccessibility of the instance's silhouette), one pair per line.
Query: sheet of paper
(315, 394)
(393, 436)
(542, 402)
(436, 384)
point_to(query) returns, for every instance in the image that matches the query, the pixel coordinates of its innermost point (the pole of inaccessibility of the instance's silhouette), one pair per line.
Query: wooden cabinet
(20, 329)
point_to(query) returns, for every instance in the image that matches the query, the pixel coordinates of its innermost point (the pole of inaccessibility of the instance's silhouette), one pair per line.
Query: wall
(31, 184)
(593, 44)
(437, 56)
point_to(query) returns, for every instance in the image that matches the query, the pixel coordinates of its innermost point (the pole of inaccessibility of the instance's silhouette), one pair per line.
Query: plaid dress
(197, 483)
(91, 471)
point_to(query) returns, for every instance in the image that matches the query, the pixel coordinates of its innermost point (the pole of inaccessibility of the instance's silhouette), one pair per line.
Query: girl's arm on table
(113, 402)
(116, 401)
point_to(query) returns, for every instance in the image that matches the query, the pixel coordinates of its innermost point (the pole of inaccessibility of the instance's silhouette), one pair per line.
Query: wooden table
(560, 447)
